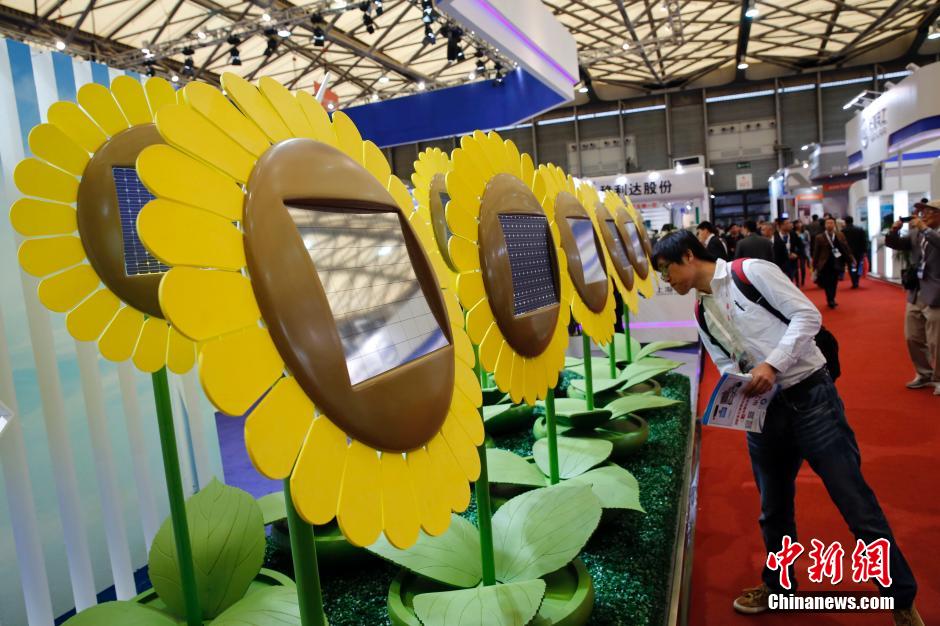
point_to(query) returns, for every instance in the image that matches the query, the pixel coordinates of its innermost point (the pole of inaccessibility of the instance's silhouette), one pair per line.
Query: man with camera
(922, 282)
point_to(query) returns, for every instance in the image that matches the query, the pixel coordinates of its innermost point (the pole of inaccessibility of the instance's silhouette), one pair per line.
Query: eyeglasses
(664, 272)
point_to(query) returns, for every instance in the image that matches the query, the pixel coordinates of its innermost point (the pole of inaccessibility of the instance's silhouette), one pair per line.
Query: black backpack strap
(700, 318)
(751, 292)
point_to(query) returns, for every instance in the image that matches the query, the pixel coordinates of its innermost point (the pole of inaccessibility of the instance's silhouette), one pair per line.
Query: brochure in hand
(728, 407)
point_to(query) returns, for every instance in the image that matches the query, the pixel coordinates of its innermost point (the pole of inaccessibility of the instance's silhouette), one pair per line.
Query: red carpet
(898, 431)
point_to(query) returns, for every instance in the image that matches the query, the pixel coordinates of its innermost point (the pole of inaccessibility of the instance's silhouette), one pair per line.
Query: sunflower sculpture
(78, 218)
(428, 219)
(636, 241)
(293, 262)
(615, 246)
(513, 279)
(592, 298)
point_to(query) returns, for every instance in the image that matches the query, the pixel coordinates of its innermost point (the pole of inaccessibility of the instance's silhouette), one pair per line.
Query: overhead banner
(659, 185)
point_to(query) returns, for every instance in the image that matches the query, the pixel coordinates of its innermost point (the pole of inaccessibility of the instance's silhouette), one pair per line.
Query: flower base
(569, 597)
(332, 548)
(628, 434)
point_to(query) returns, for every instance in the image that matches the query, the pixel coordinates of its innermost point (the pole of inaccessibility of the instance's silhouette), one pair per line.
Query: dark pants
(808, 422)
(802, 262)
(856, 271)
(828, 279)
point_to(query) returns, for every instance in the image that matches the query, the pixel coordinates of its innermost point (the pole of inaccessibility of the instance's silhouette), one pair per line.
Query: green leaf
(571, 361)
(452, 558)
(541, 531)
(656, 346)
(505, 467)
(512, 604)
(274, 606)
(600, 367)
(644, 372)
(575, 456)
(633, 403)
(600, 384)
(574, 412)
(614, 486)
(227, 534)
(122, 613)
(273, 507)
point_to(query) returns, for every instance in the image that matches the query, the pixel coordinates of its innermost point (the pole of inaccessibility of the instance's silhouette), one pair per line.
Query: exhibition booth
(248, 374)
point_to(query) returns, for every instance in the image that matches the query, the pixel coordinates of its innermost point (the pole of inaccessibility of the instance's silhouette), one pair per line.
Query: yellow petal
(400, 194)
(180, 352)
(347, 136)
(130, 96)
(203, 304)
(479, 319)
(92, 316)
(177, 234)
(119, 338)
(461, 447)
(150, 353)
(517, 382)
(400, 516)
(159, 94)
(72, 121)
(275, 430)
(219, 110)
(255, 106)
(464, 254)
(429, 491)
(457, 490)
(37, 178)
(173, 175)
(238, 368)
(360, 499)
(470, 288)
(31, 217)
(468, 384)
(474, 153)
(318, 118)
(375, 161)
(512, 154)
(63, 291)
(49, 143)
(317, 478)
(286, 107)
(463, 349)
(462, 222)
(100, 105)
(454, 312)
(534, 381)
(490, 347)
(468, 418)
(192, 133)
(464, 184)
(41, 257)
(502, 373)
(528, 169)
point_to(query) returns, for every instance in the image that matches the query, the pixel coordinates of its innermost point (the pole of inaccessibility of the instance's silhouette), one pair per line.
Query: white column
(139, 456)
(900, 210)
(874, 227)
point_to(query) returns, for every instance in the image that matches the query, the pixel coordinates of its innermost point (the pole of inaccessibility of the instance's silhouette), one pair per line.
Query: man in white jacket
(806, 418)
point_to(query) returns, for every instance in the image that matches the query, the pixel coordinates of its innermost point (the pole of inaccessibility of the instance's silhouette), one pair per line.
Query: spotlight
(375, 97)
(472, 76)
(421, 85)
(429, 37)
(146, 51)
(175, 78)
(272, 46)
(368, 23)
(233, 40)
(626, 45)
(151, 72)
(583, 89)
(481, 66)
(188, 66)
(59, 44)
(934, 31)
(283, 33)
(317, 18)
(378, 7)
(265, 17)
(319, 38)
(235, 59)
(743, 65)
(201, 35)
(330, 106)
(751, 11)
(187, 51)
(384, 80)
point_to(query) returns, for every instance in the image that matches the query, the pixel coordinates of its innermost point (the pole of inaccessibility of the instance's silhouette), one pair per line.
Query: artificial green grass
(629, 557)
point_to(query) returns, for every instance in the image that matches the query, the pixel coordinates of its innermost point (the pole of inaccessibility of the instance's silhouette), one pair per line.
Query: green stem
(303, 550)
(174, 488)
(552, 436)
(588, 376)
(613, 359)
(484, 508)
(626, 333)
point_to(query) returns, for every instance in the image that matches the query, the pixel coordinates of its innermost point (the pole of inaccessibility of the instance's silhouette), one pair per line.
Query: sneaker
(919, 383)
(907, 617)
(753, 600)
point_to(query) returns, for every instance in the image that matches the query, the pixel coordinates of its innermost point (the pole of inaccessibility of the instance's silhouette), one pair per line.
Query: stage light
(319, 37)
(59, 44)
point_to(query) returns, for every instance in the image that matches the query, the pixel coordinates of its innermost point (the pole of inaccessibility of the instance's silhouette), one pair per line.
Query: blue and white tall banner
(82, 491)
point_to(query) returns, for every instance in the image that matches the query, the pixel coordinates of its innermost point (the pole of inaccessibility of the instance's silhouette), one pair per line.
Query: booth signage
(744, 181)
(663, 185)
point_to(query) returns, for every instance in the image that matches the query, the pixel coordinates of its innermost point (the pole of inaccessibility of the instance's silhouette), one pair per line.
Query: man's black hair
(782, 220)
(672, 248)
(706, 225)
(751, 226)
(815, 217)
(849, 220)
(667, 227)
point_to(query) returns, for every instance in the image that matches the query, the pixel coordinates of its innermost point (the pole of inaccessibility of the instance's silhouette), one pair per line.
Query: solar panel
(591, 267)
(381, 314)
(528, 243)
(132, 196)
(620, 249)
(635, 240)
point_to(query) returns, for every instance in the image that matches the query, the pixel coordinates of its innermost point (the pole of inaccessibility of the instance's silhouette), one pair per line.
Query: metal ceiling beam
(629, 25)
(891, 10)
(744, 33)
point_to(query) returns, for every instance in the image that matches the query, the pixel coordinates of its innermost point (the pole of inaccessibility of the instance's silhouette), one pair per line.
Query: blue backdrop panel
(454, 111)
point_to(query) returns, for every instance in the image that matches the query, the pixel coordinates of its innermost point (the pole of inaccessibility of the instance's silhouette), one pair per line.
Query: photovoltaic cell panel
(635, 240)
(583, 231)
(528, 244)
(381, 314)
(132, 196)
(620, 250)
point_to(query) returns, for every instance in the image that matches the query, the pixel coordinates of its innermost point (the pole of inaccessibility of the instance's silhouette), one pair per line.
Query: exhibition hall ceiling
(385, 48)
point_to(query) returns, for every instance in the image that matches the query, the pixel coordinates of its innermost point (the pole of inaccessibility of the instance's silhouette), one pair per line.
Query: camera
(905, 219)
